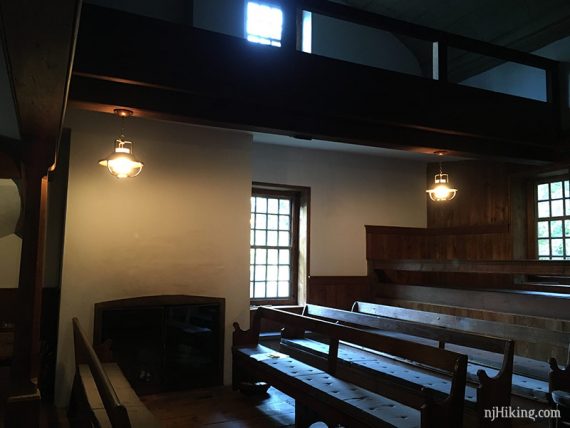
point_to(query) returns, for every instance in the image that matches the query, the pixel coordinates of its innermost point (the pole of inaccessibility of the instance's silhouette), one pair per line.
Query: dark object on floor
(254, 388)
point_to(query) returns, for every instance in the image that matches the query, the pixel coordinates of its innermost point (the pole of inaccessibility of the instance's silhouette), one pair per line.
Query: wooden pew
(323, 394)
(101, 396)
(559, 390)
(491, 390)
(530, 377)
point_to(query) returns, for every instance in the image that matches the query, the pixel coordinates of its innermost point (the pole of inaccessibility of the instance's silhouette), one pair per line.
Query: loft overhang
(169, 71)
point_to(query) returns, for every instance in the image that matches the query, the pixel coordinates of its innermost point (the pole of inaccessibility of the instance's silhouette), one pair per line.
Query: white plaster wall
(10, 250)
(222, 16)
(10, 244)
(524, 81)
(360, 44)
(181, 227)
(348, 191)
(512, 79)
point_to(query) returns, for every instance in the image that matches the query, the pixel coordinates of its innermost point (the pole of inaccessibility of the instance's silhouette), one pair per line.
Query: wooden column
(23, 404)
(439, 61)
(291, 37)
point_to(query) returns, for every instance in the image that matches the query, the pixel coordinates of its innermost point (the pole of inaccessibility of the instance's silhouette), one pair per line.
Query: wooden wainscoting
(337, 291)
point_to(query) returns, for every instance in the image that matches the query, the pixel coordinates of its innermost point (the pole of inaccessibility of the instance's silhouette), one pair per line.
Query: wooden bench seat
(529, 376)
(357, 402)
(139, 415)
(379, 366)
(322, 393)
(489, 388)
(101, 395)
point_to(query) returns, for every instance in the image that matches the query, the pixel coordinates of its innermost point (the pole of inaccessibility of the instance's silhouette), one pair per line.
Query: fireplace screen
(165, 343)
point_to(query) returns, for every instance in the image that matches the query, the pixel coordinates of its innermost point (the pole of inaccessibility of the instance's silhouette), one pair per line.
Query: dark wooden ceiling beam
(40, 43)
(204, 77)
(103, 95)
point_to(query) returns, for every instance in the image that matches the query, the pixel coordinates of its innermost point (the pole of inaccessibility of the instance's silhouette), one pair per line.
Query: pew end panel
(494, 391)
(452, 405)
(559, 378)
(244, 338)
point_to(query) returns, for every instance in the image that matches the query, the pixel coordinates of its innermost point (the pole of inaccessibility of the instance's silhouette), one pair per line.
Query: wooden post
(23, 404)
(291, 30)
(333, 356)
(557, 86)
(439, 56)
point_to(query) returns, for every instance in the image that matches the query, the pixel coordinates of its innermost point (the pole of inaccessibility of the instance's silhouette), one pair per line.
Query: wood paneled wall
(483, 196)
(489, 242)
(476, 225)
(338, 291)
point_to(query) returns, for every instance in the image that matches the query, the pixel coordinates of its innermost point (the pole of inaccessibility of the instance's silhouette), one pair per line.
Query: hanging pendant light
(440, 191)
(121, 162)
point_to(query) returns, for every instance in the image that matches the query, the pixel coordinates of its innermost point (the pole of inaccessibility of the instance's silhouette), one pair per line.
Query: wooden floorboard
(221, 408)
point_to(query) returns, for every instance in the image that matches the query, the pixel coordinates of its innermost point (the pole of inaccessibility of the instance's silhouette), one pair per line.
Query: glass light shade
(441, 190)
(122, 163)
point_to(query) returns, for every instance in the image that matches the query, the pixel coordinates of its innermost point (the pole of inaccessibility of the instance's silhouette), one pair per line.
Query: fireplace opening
(164, 343)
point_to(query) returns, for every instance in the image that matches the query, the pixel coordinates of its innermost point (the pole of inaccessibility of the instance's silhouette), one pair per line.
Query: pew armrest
(558, 379)
(449, 410)
(496, 390)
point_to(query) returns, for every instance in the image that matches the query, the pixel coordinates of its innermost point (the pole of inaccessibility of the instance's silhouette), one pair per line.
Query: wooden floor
(221, 407)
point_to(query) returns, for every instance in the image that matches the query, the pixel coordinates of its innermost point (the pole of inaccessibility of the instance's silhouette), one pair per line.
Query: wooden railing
(442, 41)
(511, 267)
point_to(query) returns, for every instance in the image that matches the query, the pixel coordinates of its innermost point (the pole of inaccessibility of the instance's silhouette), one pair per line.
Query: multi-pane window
(273, 247)
(553, 220)
(264, 23)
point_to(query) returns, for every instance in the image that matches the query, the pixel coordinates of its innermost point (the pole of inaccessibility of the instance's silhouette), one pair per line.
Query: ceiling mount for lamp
(121, 162)
(441, 190)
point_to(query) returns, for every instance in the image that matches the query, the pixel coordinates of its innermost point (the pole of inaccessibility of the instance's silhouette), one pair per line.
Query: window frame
(537, 219)
(295, 199)
(271, 3)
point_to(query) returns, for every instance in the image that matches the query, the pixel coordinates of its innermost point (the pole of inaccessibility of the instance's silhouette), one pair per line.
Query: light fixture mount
(123, 112)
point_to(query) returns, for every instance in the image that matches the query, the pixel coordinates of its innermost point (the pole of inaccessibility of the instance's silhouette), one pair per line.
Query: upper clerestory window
(264, 23)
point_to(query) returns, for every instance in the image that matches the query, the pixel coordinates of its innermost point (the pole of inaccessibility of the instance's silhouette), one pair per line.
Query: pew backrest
(437, 333)
(85, 354)
(473, 325)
